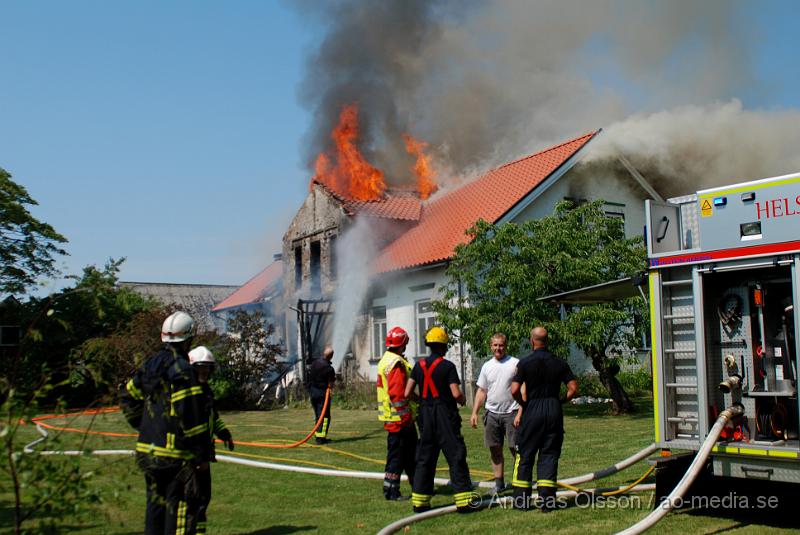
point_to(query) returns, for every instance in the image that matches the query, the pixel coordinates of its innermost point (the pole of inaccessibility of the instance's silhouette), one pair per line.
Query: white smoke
(693, 147)
(355, 250)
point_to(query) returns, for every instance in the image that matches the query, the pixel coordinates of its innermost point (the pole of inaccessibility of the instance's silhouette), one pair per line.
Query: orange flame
(347, 171)
(422, 167)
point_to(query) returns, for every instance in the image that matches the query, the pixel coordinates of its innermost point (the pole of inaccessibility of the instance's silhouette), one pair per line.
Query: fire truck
(724, 281)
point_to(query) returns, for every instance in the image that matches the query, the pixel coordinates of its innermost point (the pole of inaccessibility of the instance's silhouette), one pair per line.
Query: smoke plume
(356, 249)
(488, 82)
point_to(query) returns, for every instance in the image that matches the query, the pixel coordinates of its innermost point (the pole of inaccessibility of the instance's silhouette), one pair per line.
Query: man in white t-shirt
(502, 413)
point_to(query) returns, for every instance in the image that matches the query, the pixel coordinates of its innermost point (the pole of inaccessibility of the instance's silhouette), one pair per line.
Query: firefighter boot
(521, 499)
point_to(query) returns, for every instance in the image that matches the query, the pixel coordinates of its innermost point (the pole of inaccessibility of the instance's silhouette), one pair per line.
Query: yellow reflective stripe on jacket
(185, 393)
(219, 426)
(388, 410)
(133, 391)
(158, 451)
(196, 430)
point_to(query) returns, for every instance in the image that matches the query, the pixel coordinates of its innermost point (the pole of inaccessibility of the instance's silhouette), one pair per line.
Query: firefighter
(165, 402)
(321, 377)
(542, 429)
(203, 362)
(440, 425)
(396, 412)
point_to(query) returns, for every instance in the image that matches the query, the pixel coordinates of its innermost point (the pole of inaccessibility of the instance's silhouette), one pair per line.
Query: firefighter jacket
(166, 403)
(215, 423)
(393, 407)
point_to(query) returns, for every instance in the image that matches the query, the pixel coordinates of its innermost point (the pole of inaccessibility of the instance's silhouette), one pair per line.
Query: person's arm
(222, 432)
(480, 398)
(516, 391)
(397, 393)
(459, 396)
(518, 417)
(572, 390)
(132, 400)
(410, 387)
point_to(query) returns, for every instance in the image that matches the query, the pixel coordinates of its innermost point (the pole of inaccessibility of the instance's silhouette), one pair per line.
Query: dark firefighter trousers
(541, 433)
(401, 455)
(203, 499)
(318, 401)
(171, 495)
(440, 430)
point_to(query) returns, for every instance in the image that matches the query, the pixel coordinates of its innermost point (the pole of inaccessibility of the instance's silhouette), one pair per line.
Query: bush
(635, 382)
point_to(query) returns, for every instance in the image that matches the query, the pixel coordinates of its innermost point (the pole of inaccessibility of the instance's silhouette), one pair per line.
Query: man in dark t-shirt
(440, 425)
(542, 429)
(321, 377)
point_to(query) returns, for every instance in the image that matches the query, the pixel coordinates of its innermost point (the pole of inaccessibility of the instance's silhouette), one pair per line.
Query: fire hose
(591, 476)
(690, 475)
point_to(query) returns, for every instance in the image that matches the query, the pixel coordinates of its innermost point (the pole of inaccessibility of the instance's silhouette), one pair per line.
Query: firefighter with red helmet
(440, 425)
(396, 411)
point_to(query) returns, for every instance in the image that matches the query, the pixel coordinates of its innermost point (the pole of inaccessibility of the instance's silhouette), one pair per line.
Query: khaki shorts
(498, 428)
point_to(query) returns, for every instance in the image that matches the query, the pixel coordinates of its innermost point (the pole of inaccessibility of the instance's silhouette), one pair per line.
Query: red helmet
(396, 337)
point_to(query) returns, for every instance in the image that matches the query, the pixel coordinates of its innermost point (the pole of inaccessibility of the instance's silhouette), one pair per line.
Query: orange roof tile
(444, 221)
(397, 203)
(254, 289)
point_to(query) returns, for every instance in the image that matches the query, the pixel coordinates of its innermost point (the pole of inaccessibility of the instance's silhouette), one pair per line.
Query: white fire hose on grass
(691, 474)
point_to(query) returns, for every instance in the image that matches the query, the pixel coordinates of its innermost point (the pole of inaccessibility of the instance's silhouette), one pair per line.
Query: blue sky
(164, 132)
(170, 132)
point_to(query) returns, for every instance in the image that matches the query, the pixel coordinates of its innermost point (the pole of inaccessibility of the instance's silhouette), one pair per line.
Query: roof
(444, 221)
(398, 203)
(196, 299)
(254, 289)
(407, 207)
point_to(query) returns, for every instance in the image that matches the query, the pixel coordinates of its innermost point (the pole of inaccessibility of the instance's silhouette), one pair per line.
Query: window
(314, 266)
(426, 319)
(332, 258)
(378, 332)
(298, 267)
(9, 335)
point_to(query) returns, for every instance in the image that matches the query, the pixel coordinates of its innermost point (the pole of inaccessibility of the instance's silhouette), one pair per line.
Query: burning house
(360, 256)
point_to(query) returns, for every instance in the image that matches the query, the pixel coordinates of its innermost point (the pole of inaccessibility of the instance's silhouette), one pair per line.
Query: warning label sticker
(706, 208)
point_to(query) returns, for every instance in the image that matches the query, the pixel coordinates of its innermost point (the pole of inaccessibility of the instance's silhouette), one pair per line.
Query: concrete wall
(320, 219)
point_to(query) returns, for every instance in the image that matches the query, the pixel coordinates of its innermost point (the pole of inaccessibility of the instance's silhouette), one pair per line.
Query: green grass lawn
(260, 501)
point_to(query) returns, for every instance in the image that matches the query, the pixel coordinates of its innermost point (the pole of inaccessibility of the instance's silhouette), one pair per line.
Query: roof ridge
(549, 149)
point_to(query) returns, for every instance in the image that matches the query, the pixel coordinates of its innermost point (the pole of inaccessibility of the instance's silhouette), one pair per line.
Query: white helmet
(201, 355)
(178, 327)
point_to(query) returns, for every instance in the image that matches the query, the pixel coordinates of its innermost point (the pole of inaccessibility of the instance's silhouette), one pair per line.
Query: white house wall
(618, 189)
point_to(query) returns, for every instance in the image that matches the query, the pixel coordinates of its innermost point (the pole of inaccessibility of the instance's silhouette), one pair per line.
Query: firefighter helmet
(437, 335)
(201, 356)
(178, 326)
(396, 337)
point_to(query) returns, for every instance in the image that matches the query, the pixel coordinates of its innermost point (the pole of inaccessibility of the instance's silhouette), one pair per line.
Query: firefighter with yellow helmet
(397, 412)
(440, 425)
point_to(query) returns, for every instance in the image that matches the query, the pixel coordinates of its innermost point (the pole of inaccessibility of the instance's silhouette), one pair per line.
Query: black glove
(226, 437)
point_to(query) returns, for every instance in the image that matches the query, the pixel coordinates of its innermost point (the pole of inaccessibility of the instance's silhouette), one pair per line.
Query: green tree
(56, 327)
(28, 247)
(246, 356)
(47, 492)
(496, 279)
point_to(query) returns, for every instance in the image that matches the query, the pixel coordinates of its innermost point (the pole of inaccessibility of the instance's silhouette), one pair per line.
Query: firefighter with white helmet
(396, 412)
(202, 360)
(165, 402)
(440, 425)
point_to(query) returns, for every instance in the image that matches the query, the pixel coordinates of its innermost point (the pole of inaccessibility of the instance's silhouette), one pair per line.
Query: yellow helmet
(437, 335)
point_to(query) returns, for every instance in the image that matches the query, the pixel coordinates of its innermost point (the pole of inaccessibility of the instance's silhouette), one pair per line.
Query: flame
(422, 167)
(346, 171)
